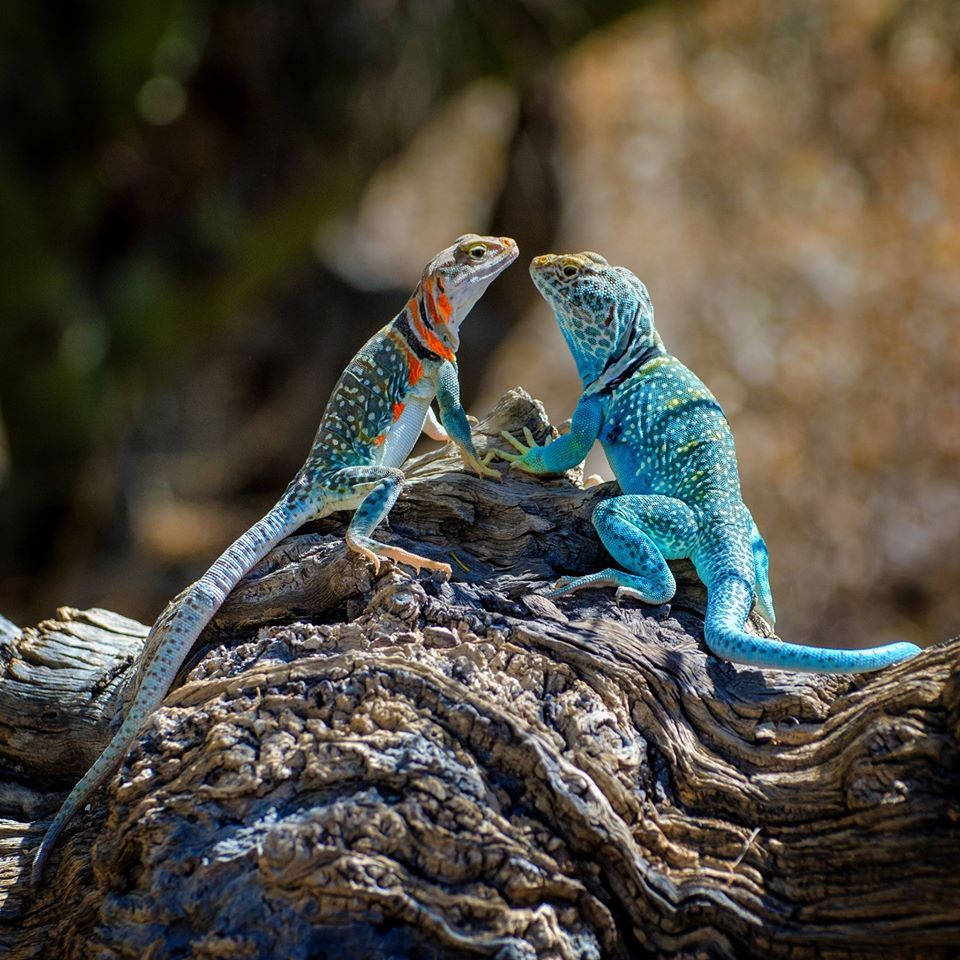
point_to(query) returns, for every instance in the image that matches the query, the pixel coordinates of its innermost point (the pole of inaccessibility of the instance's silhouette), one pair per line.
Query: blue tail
(728, 605)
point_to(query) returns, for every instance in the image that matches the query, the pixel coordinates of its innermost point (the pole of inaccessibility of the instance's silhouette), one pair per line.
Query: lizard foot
(516, 460)
(627, 585)
(414, 560)
(570, 585)
(365, 552)
(480, 467)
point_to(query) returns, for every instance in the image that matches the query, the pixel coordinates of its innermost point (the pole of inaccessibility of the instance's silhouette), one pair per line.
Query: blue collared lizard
(672, 451)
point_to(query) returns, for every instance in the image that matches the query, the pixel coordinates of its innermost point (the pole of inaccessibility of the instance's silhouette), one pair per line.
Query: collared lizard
(374, 416)
(672, 451)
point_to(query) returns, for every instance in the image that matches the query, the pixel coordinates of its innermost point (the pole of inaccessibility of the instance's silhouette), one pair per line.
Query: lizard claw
(485, 469)
(399, 555)
(521, 448)
(480, 467)
(444, 569)
(560, 586)
(516, 460)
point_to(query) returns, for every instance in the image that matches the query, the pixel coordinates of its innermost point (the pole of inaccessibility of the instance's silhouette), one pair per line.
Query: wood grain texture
(358, 766)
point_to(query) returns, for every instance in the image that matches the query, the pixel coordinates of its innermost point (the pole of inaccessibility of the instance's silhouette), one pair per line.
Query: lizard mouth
(541, 275)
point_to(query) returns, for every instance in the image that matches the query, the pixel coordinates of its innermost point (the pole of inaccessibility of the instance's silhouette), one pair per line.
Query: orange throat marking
(397, 411)
(414, 371)
(437, 318)
(443, 304)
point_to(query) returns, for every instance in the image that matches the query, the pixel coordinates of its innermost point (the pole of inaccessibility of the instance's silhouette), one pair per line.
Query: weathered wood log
(360, 766)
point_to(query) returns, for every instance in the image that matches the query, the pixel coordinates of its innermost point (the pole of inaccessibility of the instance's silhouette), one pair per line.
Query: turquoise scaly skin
(374, 416)
(672, 451)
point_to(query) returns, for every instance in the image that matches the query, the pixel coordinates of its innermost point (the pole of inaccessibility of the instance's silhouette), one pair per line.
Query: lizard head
(457, 277)
(603, 311)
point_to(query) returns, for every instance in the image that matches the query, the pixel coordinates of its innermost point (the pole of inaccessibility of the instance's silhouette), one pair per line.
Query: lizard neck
(429, 322)
(624, 364)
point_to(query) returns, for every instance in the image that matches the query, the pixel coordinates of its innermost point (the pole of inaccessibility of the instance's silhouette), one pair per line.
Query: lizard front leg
(761, 569)
(381, 486)
(565, 452)
(433, 428)
(456, 424)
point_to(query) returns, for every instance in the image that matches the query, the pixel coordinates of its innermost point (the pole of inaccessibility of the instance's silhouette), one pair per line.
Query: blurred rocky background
(206, 207)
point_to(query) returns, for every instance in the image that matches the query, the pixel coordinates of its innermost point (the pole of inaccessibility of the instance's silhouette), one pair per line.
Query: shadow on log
(383, 767)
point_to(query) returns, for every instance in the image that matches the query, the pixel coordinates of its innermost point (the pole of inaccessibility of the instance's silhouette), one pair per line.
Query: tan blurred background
(203, 229)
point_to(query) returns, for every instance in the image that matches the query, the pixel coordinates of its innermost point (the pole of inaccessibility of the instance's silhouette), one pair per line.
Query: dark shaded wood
(380, 766)
(59, 690)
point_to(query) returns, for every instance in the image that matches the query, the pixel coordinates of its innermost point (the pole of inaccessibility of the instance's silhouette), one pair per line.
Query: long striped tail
(728, 606)
(171, 639)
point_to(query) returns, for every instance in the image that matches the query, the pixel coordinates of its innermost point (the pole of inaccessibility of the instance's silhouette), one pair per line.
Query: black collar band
(402, 324)
(654, 350)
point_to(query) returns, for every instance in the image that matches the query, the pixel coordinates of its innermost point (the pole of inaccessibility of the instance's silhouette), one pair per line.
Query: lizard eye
(569, 271)
(474, 249)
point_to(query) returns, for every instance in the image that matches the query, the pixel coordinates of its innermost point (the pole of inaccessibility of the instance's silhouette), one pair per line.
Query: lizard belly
(404, 432)
(629, 469)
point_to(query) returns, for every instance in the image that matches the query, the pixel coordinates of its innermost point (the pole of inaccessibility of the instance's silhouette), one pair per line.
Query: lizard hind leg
(384, 485)
(761, 569)
(641, 533)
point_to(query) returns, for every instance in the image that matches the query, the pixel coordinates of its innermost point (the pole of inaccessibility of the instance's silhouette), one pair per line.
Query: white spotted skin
(665, 433)
(375, 415)
(672, 452)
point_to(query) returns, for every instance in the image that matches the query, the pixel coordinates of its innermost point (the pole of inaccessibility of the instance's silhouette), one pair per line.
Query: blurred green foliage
(164, 165)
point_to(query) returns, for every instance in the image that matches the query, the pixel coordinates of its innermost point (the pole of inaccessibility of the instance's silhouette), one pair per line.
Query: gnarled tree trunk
(360, 766)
